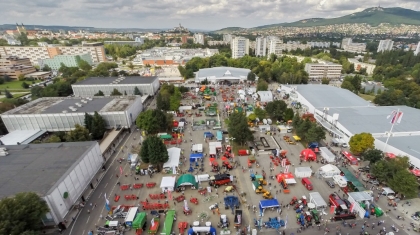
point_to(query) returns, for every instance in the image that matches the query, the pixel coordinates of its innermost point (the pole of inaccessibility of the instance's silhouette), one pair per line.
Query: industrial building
(221, 74)
(58, 172)
(345, 114)
(323, 70)
(167, 56)
(91, 86)
(63, 113)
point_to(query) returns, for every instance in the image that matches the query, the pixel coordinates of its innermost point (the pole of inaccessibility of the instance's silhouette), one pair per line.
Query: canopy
(165, 137)
(327, 154)
(197, 148)
(219, 135)
(288, 177)
(174, 154)
(264, 204)
(139, 220)
(328, 171)
(169, 221)
(187, 179)
(168, 183)
(301, 172)
(416, 172)
(391, 155)
(308, 154)
(195, 156)
(349, 157)
(297, 138)
(317, 199)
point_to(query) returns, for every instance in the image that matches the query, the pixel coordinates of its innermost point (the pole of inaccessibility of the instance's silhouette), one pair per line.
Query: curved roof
(187, 179)
(229, 72)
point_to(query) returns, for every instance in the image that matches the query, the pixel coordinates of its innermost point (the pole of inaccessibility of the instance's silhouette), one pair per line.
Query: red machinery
(180, 198)
(202, 191)
(228, 148)
(116, 198)
(154, 206)
(194, 200)
(217, 180)
(130, 197)
(293, 201)
(125, 187)
(215, 166)
(137, 186)
(243, 152)
(151, 185)
(157, 196)
(227, 165)
(337, 202)
(182, 226)
(187, 211)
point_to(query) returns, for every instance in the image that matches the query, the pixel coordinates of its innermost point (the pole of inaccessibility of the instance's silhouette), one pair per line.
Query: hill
(228, 30)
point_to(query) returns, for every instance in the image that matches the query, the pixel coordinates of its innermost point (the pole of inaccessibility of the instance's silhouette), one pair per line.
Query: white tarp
(265, 96)
(198, 148)
(317, 199)
(167, 183)
(355, 198)
(184, 108)
(290, 181)
(328, 171)
(302, 172)
(174, 155)
(264, 127)
(215, 144)
(327, 154)
(340, 181)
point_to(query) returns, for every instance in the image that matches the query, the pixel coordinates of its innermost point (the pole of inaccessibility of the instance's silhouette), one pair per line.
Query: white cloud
(198, 14)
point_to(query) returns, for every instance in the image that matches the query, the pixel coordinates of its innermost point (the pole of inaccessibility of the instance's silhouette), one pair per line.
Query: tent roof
(139, 220)
(187, 179)
(216, 144)
(303, 169)
(196, 155)
(269, 203)
(360, 196)
(174, 155)
(165, 137)
(329, 168)
(317, 199)
(350, 177)
(168, 182)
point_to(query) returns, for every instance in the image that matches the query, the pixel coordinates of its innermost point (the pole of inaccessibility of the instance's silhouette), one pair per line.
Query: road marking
(106, 185)
(110, 177)
(83, 232)
(100, 195)
(88, 219)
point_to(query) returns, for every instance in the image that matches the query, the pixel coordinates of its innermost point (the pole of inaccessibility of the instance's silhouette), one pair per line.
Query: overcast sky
(194, 14)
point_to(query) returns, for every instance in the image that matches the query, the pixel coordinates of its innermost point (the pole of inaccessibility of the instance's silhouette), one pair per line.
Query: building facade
(228, 38)
(240, 47)
(348, 45)
(130, 43)
(360, 65)
(417, 51)
(14, 60)
(261, 46)
(385, 45)
(327, 70)
(199, 38)
(67, 60)
(14, 66)
(277, 47)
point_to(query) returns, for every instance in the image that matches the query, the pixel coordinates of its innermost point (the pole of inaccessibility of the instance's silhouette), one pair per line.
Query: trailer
(154, 226)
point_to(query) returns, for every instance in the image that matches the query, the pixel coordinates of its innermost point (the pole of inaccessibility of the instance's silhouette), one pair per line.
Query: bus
(132, 212)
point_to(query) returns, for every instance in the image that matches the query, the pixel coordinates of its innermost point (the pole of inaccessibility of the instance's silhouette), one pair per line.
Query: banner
(107, 207)
(283, 162)
(352, 207)
(186, 208)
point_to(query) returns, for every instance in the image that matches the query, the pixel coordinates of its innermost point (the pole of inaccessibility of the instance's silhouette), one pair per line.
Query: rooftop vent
(79, 105)
(84, 101)
(64, 111)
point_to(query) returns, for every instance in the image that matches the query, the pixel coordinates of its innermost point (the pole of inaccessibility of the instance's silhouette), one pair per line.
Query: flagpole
(390, 132)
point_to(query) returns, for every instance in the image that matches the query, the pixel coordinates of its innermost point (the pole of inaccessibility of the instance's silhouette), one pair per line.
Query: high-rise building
(228, 38)
(199, 38)
(417, 51)
(385, 45)
(260, 46)
(240, 47)
(277, 46)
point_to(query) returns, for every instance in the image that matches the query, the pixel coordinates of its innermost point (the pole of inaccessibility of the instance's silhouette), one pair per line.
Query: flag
(121, 170)
(395, 117)
(107, 203)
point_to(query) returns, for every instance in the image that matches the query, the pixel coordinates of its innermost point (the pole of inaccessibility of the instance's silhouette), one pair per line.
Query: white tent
(265, 96)
(197, 148)
(167, 183)
(327, 154)
(317, 199)
(173, 161)
(184, 108)
(302, 172)
(355, 198)
(328, 171)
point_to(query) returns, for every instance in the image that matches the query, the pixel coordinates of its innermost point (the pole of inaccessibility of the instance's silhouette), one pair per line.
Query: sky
(193, 14)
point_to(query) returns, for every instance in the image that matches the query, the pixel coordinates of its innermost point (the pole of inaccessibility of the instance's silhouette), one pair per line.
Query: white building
(277, 47)
(58, 172)
(385, 45)
(221, 74)
(359, 65)
(348, 45)
(261, 46)
(323, 70)
(320, 44)
(417, 51)
(63, 113)
(240, 47)
(198, 38)
(228, 38)
(125, 85)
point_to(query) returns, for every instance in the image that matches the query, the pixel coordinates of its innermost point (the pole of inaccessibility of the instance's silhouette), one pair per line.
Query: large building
(385, 45)
(199, 38)
(14, 66)
(14, 60)
(96, 51)
(417, 51)
(348, 45)
(63, 113)
(58, 172)
(67, 60)
(167, 56)
(137, 42)
(240, 47)
(277, 47)
(222, 74)
(345, 114)
(91, 86)
(261, 46)
(360, 65)
(228, 38)
(323, 70)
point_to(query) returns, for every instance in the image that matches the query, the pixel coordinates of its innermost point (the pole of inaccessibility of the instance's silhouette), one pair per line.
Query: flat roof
(37, 73)
(407, 144)
(223, 72)
(108, 80)
(54, 105)
(321, 96)
(38, 167)
(21, 136)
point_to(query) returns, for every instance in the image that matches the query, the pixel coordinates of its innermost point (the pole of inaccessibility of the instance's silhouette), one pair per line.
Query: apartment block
(360, 65)
(277, 47)
(198, 38)
(14, 60)
(228, 38)
(348, 45)
(261, 46)
(13, 67)
(385, 45)
(323, 70)
(240, 47)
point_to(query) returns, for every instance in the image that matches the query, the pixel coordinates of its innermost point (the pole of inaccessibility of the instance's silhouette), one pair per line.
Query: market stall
(317, 200)
(328, 171)
(214, 147)
(307, 155)
(340, 180)
(194, 157)
(174, 154)
(360, 201)
(186, 180)
(266, 204)
(302, 172)
(349, 157)
(167, 183)
(288, 177)
(197, 148)
(327, 155)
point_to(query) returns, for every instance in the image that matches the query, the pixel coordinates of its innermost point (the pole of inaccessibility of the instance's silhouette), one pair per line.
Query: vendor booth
(307, 155)
(328, 171)
(186, 180)
(197, 148)
(266, 204)
(302, 172)
(214, 147)
(174, 154)
(349, 157)
(317, 200)
(327, 155)
(195, 157)
(167, 184)
(207, 230)
(287, 177)
(360, 201)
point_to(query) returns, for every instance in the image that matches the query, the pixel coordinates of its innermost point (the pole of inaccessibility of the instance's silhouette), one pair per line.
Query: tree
(372, 155)
(79, 133)
(22, 213)
(359, 143)
(315, 133)
(325, 81)
(262, 85)
(238, 128)
(83, 64)
(46, 68)
(25, 85)
(100, 93)
(98, 127)
(288, 114)
(137, 91)
(54, 139)
(276, 109)
(260, 113)
(130, 66)
(21, 77)
(154, 151)
(152, 121)
(8, 94)
(115, 92)
(88, 121)
(251, 77)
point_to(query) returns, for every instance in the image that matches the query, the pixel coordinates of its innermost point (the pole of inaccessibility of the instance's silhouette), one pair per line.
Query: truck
(338, 203)
(134, 160)
(218, 180)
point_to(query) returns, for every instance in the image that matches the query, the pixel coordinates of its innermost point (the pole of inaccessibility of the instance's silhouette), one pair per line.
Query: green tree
(288, 114)
(88, 121)
(54, 139)
(372, 155)
(22, 214)
(252, 117)
(260, 113)
(325, 81)
(152, 121)
(46, 68)
(276, 109)
(130, 66)
(115, 92)
(21, 77)
(238, 128)
(154, 151)
(262, 85)
(359, 143)
(25, 85)
(100, 93)
(405, 183)
(98, 127)
(137, 91)
(78, 134)
(8, 94)
(315, 133)
(83, 64)
(251, 76)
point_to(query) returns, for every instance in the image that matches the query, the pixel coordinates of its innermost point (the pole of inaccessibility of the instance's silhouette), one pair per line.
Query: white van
(388, 192)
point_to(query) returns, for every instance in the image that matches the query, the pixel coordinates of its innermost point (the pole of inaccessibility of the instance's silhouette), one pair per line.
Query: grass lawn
(15, 96)
(367, 97)
(12, 85)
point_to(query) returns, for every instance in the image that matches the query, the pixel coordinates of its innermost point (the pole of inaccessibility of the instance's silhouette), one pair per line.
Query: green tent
(169, 221)
(166, 137)
(187, 179)
(139, 220)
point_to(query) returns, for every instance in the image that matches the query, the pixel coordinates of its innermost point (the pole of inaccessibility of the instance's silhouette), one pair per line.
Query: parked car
(330, 183)
(364, 169)
(374, 182)
(416, 215)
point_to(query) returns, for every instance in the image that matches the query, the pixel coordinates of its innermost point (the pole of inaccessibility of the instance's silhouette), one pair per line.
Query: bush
(25, 85)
